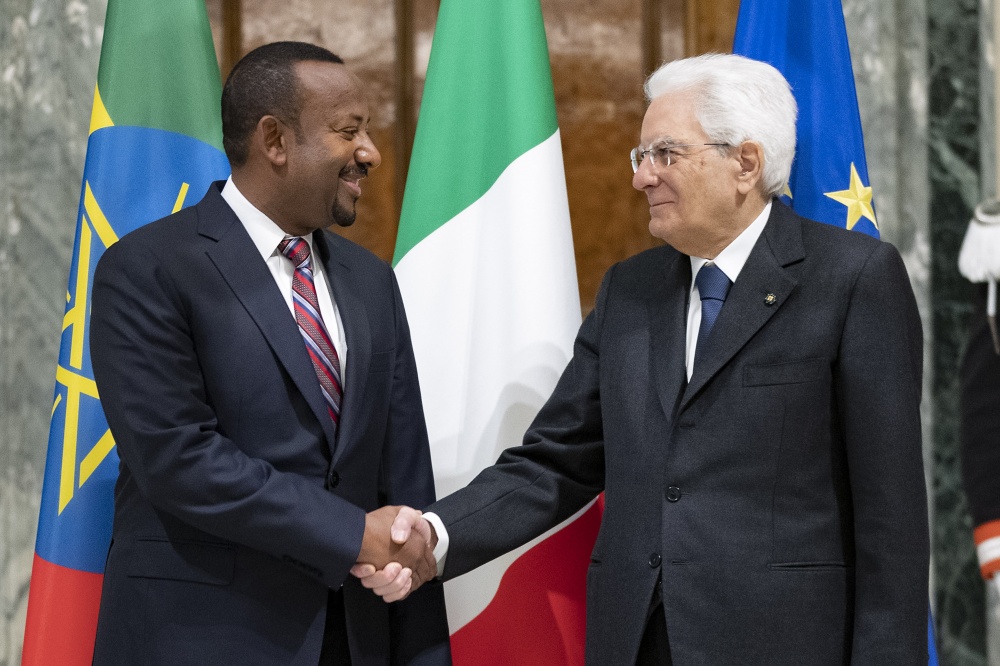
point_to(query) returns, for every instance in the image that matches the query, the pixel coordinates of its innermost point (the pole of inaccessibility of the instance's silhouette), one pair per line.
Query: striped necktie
(322, 353)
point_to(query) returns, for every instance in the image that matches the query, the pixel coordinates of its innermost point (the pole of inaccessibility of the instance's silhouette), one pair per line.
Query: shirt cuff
(441, 549)
(987, 538)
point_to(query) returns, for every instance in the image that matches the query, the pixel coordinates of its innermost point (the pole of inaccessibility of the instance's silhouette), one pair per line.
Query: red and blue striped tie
(322, 353)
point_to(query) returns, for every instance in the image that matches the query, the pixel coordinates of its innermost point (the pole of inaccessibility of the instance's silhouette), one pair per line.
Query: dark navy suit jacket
(237, 507)
(779, 495)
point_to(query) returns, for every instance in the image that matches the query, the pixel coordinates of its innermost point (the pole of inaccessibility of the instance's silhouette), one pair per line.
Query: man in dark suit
(747, 397)
(257, 375)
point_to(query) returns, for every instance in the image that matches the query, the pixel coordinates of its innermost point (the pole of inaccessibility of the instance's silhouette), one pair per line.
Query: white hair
(737, 99)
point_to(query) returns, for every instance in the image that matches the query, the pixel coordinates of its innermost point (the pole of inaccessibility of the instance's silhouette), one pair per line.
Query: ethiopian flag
(485, 263)
(155, 146)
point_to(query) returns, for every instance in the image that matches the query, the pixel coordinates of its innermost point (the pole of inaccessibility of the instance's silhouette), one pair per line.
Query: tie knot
(712, 283)
(297, 251)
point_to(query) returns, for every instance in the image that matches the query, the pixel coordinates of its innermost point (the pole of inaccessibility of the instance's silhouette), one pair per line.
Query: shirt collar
(265, 234)
(731, 260)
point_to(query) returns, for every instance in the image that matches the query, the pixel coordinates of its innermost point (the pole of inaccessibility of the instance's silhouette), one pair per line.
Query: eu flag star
(858, 200)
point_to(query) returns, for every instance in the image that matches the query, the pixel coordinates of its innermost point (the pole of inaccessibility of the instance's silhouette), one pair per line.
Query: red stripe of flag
(62, 615)
(537, 615)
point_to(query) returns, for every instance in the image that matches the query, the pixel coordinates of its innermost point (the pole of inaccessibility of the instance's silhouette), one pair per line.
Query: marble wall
(889, 54)
(954, 141)
(48, 67)
(916, 64)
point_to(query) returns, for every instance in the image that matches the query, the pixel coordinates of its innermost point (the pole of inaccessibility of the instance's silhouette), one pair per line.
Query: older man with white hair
(747, 397)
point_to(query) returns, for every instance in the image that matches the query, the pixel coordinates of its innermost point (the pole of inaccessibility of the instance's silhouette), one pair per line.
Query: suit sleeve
(979, 395)
(533, 487)
(157, 406)
(878, 385)
(419, 624)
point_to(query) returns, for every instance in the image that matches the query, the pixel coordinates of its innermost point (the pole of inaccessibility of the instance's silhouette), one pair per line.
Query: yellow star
(858, 200)
(787, 192)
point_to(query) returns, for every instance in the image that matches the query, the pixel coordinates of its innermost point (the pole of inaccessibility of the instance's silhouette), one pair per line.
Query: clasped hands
(397, 552)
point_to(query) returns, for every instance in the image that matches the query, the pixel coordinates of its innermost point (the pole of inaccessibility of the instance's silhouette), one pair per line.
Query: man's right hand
(412, 550)
(393, 581)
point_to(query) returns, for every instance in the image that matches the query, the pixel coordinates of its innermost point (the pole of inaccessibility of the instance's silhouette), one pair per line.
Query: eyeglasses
(662, 154)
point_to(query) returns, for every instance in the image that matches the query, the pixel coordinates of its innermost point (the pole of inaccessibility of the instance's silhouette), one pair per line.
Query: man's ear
(750, 155)
(271, 138)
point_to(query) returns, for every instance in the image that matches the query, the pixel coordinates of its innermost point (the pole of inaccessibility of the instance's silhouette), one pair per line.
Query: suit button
(673, 494)
(332, 479)
(654, 560)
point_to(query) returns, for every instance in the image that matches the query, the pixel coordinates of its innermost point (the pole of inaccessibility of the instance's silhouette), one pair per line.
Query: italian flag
(484, 259)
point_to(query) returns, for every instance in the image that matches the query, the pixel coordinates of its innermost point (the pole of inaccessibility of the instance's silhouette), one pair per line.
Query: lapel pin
(770, 299)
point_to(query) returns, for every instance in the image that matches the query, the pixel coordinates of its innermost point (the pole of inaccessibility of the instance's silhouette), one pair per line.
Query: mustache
(358, 170)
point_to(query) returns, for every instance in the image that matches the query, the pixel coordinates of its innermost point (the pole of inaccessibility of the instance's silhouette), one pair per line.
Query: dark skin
(305, 174)
(408, 562)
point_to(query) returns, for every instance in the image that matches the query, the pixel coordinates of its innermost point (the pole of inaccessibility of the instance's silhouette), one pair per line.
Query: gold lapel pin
(770, 299)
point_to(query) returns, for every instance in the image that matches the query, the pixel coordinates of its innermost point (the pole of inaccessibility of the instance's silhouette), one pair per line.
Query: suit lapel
(668, 329)
(238, 260)
(356, 331)
(749, 305)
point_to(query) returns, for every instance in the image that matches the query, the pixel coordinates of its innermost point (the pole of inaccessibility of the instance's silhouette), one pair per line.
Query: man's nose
(366, 153)
(645, 176)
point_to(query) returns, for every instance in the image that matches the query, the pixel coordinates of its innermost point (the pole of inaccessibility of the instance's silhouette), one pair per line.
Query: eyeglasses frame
(638, 155)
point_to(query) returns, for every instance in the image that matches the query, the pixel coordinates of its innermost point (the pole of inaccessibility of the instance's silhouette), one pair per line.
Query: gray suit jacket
(779, 495)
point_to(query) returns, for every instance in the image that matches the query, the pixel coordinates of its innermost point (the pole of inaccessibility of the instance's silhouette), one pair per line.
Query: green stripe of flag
(488, 100)
(158, 68)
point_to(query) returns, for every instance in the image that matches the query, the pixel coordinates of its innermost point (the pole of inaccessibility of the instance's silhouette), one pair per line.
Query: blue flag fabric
(807, 42)
(133, 175)
(931, 643)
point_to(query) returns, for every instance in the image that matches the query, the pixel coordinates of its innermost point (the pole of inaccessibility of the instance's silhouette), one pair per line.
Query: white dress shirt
(730, 261)
(266, 236)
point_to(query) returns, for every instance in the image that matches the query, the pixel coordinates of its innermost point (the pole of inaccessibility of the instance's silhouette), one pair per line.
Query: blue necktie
(713, 287)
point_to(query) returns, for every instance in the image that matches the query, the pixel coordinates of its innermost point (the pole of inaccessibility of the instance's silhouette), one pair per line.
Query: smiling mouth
(352, 185)
(351, 177)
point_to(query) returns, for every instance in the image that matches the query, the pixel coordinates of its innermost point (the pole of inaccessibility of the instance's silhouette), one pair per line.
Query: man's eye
(660, 153)
(349, 132)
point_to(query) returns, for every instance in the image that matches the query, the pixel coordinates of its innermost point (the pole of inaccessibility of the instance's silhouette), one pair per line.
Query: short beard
(342, 216)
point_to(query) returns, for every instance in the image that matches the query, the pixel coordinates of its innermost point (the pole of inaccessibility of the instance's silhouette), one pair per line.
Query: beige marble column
(889, 54)
(48, 68)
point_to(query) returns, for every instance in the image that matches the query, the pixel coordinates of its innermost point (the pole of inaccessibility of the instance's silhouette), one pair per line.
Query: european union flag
(807, 42)
(155, 146)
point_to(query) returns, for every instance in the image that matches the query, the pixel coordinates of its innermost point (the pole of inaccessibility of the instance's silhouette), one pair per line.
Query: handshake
(397, 552)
